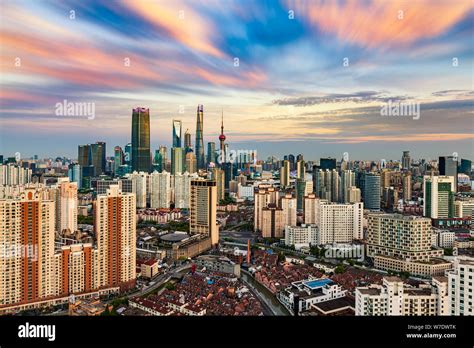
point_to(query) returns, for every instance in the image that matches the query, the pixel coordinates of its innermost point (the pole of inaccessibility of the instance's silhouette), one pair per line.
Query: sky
(290, 76)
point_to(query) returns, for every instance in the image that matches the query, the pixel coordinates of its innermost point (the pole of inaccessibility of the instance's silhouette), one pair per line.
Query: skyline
(277, 100)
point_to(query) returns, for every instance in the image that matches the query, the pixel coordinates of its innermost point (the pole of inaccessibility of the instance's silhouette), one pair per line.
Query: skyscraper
(118, 158)
(372, 191)
(285, 174)
(406, 160)
(176, 133)
(83, 155)
(211, 152)
(66, 206)
(300, 169)
(188, 146)
(438, 196)
(448, 166)
(203, 209)
(327, 163)
(201, 164)
(177, 160)
(407, 187)
(190, 166)
(141, 159)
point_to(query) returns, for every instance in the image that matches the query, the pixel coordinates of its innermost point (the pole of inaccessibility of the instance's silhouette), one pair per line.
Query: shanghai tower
(201, 163)
(141, 159)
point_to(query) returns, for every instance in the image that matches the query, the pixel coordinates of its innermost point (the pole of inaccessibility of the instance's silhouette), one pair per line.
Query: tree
(339, 269)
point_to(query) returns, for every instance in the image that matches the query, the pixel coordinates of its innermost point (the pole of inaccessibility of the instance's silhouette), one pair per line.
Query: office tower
(461, 288)
(66, 206)
(403, 243)
(97, 157)
(27, 222)
(272, 225)
(139, 182)
(218, 177)
(263, 196)
(394, 297)
(128, 155)
(300, 170)
(228, 169)
(385, 179)
(160, 190)
(372, 191)
(177, 159)
(327, 163)
(465, 167)
(188, 146)
(211, 152)
(177, 132)
(406, 160)
(141, 140)
(199, 146)
(83, 156)
(191, 165)
(347, 181)
(352, 195)
(448, 166)
(303, 188)
(464, 207)
(160, 159)
(285, 174)
(438, 196)
(311, 209)
(407, 187)
(203, 209)
(75, 174)
(291, 160)
(115, 227)
(288, 206)
(118, 158)
(340, 223)
(390, 198)
(222, 153)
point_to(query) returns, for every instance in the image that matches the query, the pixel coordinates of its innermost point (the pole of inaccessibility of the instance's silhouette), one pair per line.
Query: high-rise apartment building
(263, 196)
(141, 156)
(406, 187)
(406, 160)
(288, 206)
(203, 209)
(340, 223)
(438, 196)
(460, 287)
(115, 228)
(160, 190)
(66, 206)
(191, 164)
(347, 181)
(177, 160)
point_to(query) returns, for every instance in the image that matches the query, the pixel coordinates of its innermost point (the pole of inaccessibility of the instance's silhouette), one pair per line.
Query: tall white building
(394, 297)
(13, 174)
(181, 187)
(140, 184)
(66, 206)
(263, 196)
(340, 223)
(461, 288)
(160, 190)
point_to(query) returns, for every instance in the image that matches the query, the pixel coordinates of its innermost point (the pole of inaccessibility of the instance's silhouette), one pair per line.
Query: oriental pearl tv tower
(222, 139)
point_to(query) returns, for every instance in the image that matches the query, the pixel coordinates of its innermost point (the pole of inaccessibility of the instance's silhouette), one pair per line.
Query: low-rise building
(217, 263)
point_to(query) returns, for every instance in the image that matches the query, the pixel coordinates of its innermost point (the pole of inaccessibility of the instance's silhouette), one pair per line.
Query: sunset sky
(290, 92)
